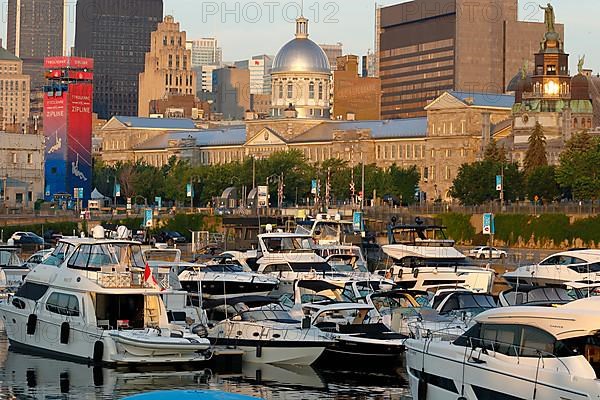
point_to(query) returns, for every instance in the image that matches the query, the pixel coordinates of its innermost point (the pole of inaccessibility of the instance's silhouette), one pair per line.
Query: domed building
(300, 78)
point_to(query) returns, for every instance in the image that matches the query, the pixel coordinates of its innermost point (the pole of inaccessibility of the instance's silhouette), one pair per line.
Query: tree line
(142, 182)
(577, 177)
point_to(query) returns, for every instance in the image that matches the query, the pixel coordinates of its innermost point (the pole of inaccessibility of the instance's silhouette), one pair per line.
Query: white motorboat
(219, 280)
(12, 270)
(100, 305)
(267, 334)
(558, 269)
(513, 353)
(359, 340)
(423, 259)
(292, 256)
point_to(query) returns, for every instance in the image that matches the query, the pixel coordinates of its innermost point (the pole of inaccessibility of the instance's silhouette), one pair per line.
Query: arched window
(290, 90)
(575, 122)
(281, 90)
(320, 90)
(311, 90)
(589, 123)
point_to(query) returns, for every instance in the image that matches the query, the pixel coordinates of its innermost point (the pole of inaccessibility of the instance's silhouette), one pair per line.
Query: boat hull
(441, 374)
(276, 352)
(84, 343)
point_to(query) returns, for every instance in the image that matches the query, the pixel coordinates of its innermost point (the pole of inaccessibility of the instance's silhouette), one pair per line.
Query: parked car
(170, 237)
(37, 258)
(483, 252)
(26, 238)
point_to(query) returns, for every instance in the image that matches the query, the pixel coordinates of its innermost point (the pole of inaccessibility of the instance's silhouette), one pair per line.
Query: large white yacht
(513, 353)
(556, 270)
(424, 258)
(101, 304)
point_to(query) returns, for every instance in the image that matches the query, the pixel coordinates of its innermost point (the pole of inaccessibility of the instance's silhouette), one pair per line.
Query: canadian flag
(149, 278)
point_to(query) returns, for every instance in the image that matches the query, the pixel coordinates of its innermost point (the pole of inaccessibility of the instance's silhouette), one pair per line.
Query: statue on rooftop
(549, 17)
(580, 64)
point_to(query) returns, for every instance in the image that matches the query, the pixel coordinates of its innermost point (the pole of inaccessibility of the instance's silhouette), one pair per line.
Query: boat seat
(103, 323)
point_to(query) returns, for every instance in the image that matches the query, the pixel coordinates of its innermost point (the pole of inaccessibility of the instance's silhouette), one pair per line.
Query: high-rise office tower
(260, 73)
(116, 34)
(333, 51)
(36, 29)
(14, 93)
(206, 51)
(427, 47)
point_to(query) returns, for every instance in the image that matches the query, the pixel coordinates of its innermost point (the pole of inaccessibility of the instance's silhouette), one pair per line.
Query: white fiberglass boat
(558, 269)
(12, 270)
(423, 258)
(267, 334)
(513, 353)
(100, 305)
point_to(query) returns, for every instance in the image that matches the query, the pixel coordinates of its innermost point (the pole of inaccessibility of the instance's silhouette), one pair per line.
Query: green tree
(475, 183)
(403, 182)
(495, 153)
(578, 171)
(536, 152)
(541, 182)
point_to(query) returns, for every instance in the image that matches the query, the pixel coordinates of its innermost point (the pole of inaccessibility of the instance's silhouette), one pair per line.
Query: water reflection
(25, 376)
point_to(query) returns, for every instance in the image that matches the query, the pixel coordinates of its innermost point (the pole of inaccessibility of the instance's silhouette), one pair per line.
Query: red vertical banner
(80, 136)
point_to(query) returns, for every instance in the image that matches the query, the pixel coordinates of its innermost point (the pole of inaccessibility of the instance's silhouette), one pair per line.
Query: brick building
(355, 97)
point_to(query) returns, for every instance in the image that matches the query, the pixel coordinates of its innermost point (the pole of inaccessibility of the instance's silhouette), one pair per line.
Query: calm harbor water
(25, 376)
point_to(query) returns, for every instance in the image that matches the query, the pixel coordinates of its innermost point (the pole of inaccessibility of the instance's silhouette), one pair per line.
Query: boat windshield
(474, 303)
(9, 258)
(268, 315)
(223, 268)
(421, 236)
(59, 254)
(288, 244)
(96, 256)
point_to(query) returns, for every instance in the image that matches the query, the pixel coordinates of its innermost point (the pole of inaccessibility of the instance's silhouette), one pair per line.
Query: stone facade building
(14, 93)
(452, 134)
(168, 67)
(21, 169)
(355, 97)
(427, 47)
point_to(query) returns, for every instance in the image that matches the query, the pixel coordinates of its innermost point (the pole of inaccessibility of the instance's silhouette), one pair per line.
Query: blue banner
(488, 224)
(357, 221)
(148, 218)
(499, 183)
(158, 201)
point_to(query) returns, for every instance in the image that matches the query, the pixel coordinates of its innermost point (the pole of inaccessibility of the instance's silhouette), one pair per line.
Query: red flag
(149, 278)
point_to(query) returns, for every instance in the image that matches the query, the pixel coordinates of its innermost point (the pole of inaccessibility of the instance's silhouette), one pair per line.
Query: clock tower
(548, 95)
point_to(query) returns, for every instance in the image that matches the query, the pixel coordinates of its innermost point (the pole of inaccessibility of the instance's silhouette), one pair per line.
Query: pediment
(113, 123)
(445, 102)
(266, 137)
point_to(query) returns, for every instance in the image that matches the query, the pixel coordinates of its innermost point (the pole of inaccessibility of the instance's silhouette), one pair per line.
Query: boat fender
(31, 324)
(400, 273)
(65, 330)
(65, 383)
(422, 388)
(200, 330)
(416, 273)
(258, 351)
(98, 352)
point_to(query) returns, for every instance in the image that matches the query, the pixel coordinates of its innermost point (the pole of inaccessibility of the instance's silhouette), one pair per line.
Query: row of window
(294, 91)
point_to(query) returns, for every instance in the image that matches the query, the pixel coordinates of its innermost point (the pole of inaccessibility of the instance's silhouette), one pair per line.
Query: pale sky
(250, 27)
